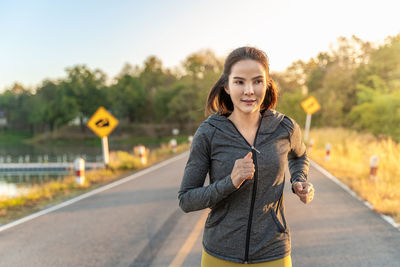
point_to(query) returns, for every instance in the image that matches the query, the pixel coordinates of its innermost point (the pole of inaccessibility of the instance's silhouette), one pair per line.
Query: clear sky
(39, 39)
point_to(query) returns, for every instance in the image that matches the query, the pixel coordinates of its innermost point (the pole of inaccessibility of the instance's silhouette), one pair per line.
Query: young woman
(245, 146)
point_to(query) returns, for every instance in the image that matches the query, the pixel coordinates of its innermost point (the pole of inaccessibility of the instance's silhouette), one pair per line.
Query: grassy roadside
(349, 161)
(53, 192)
(11, 138)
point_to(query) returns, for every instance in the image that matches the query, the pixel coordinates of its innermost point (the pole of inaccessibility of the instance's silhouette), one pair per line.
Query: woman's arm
(192, 194)
(298, 159)
(299, 165)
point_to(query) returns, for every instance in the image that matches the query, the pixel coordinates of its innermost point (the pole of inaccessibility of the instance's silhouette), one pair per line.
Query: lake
(12, 182)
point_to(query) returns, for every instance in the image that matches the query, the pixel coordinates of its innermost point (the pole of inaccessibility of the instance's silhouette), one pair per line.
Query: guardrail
(50, 166)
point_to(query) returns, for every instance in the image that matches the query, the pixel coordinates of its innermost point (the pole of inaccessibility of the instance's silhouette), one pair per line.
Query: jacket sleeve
(192, 194)
(298, 160)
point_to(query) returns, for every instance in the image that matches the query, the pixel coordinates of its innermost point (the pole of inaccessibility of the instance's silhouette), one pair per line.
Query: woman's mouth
(249, 102)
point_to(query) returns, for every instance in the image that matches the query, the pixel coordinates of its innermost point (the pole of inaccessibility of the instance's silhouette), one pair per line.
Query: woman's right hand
(242, 170)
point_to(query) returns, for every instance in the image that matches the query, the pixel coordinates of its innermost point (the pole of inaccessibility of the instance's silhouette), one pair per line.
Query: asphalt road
(139, 223)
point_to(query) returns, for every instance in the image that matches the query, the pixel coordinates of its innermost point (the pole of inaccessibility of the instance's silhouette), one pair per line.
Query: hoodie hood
(270, 121)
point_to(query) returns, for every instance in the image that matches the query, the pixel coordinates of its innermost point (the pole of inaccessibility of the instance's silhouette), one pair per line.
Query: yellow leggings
(208, 260)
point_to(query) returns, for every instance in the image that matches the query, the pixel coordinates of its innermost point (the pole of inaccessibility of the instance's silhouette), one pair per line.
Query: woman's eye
(259, 81)
(238, 82)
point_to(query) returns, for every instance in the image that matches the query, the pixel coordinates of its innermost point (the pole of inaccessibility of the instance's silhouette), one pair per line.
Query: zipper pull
(252, 147)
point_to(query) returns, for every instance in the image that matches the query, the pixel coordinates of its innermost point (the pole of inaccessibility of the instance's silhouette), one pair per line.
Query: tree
(15, 102)
(87, 88)
(128, 98)
(56, 108)
(379, 113)
(182, 108)
(153, 77)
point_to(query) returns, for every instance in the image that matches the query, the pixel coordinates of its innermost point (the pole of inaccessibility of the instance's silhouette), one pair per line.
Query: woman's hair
(219, 100)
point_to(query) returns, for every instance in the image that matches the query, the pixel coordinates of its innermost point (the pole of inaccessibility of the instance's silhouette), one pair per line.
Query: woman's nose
(248, 90)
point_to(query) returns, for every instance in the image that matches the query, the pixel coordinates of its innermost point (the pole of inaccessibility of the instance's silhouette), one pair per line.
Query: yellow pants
(208, 260)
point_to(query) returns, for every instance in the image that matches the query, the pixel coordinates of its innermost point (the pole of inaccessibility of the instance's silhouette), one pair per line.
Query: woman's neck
(243, 120)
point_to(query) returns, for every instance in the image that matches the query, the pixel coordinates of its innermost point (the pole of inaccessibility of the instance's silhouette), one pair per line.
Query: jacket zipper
(253, 196)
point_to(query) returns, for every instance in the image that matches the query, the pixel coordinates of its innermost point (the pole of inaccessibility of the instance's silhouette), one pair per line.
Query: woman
(244, 146)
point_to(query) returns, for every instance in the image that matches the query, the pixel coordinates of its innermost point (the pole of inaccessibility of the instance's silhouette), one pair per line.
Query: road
(137, 222)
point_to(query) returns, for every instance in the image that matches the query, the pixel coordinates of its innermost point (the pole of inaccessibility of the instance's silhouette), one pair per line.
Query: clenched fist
(242, 170)
(304, 190)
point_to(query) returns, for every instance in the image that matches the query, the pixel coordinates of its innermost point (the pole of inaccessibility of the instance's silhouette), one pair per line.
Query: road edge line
(93, 192)
(386, 218)
(189, 242)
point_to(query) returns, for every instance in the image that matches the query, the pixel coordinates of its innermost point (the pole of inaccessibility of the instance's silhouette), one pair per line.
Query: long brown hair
(219, 100)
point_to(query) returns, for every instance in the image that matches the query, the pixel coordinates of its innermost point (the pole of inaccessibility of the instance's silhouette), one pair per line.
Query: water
(24, 153)
(32, 178)
(12, 183)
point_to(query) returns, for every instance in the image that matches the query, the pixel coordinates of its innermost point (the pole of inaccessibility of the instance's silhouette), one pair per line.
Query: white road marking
(93, 192)
(388, 219)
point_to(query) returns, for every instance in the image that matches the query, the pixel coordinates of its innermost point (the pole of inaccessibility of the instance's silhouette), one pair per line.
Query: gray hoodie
(245, 225)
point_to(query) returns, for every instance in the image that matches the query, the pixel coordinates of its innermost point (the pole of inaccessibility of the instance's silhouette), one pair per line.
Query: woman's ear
(226, 90)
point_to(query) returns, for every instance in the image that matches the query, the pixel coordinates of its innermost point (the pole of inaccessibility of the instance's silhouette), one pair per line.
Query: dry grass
(349, 161)
(40, 196)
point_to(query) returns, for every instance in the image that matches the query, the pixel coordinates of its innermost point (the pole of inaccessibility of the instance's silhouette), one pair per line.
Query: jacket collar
(270, 120)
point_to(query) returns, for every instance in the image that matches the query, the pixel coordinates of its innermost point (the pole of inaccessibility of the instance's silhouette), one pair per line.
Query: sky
(39, 39)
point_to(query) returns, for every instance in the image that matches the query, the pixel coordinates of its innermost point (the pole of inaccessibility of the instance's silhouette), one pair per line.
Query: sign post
(102, 123)
(106, 152)
(310, 106)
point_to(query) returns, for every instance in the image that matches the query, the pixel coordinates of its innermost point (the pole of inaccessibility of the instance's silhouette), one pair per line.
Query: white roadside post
(80, 171)
(310, 145)
(142, 154)
(106, 152)
(173, 144)
(308, 124)
(328, 152)
(373, 162)
(310, 106)
(190, 139)
(173, 141)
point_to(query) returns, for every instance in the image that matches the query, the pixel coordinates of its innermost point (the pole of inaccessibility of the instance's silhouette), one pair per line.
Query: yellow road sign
(310, 105)
(102, 122)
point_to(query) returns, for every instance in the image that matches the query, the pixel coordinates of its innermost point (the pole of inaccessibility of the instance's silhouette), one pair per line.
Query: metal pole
(106, 157)
(308, 123)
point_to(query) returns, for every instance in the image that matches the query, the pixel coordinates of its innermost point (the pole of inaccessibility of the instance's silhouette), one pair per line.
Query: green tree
(15, 102)
(153, 78)
(128, 98)
(87, 88)
(56, 107)
(379, 113)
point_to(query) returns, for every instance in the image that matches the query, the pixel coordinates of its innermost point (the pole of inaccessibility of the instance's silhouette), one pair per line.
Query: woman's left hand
(304, 190)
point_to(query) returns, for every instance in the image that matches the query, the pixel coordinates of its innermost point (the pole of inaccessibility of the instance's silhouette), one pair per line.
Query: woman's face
(247, 86)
